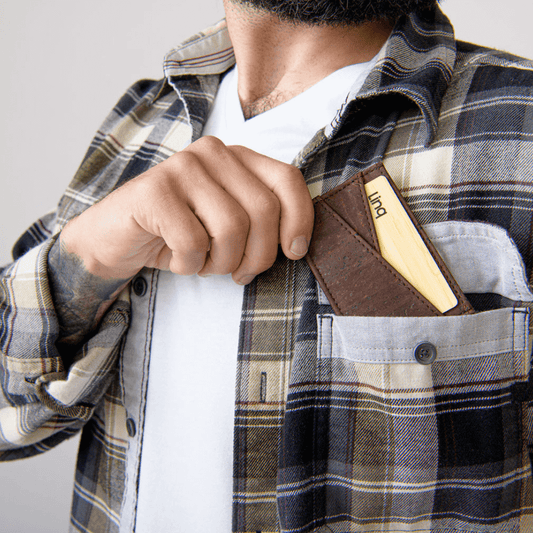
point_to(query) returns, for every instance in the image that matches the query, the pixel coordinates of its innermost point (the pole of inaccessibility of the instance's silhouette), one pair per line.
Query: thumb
(288, 184)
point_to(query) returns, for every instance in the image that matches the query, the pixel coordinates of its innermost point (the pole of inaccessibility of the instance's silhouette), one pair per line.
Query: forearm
(80, 298)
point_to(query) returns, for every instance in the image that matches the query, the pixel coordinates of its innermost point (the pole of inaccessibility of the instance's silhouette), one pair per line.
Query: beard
(340, 12)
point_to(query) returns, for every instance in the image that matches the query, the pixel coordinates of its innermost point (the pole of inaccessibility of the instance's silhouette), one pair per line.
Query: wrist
(79, 243)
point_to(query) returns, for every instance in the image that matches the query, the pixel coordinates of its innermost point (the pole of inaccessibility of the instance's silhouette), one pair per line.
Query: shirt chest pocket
(420, 422)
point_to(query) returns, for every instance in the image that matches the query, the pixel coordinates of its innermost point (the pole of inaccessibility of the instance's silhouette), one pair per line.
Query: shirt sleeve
(49, 389)
(60, 331)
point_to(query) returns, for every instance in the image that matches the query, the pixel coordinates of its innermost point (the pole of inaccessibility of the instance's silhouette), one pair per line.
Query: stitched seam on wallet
(358, 180)
(369, 225)
(326, 287)
(379, 259)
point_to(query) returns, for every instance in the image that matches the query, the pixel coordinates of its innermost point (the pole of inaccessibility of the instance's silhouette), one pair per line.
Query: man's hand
(210, 209)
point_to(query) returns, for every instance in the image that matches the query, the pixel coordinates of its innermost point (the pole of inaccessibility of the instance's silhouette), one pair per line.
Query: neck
(278, 60)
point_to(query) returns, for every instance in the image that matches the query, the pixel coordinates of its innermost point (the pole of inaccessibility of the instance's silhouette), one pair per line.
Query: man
(336, 424)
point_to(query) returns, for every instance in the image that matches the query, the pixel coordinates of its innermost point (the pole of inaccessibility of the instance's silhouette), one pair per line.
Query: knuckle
(194, 243)
(178, 267)
(238, 150)
(208, 144)
(189, 259)
(185, 269)
(256, 264)
(180, 163)
(223, 270)
(267, 204)
(292, 179)
(294, 173)
(234, 223)
(150, 191)
(163, 178)
(264, 264)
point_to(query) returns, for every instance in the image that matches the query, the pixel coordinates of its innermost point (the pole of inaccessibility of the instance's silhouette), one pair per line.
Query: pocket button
(425, 353)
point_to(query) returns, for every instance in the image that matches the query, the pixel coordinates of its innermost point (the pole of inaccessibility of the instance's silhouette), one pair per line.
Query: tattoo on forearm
(80, 298)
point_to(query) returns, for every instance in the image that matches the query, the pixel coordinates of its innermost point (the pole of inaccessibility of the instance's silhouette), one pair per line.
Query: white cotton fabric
(186, 478)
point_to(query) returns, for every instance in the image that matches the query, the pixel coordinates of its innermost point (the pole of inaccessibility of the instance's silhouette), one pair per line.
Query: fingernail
(245, 280)
(299, 246)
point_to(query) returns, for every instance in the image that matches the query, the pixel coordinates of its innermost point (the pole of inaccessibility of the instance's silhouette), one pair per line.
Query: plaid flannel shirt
(337, 428)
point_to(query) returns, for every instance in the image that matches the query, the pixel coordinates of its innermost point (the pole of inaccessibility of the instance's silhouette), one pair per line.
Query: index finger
(288, 184)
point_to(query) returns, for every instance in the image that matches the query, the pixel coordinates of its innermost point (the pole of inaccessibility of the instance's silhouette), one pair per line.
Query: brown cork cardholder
(345, 258)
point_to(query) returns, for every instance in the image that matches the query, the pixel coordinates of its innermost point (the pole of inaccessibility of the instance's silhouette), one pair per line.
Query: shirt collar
(207, 53)
(417, 62)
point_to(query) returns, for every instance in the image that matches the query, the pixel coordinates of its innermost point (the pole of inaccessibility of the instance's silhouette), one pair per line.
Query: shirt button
(425, 353)
(130, 426)
(140, 286)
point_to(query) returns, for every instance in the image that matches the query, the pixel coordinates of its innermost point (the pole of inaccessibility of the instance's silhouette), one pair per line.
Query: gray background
(63, 65)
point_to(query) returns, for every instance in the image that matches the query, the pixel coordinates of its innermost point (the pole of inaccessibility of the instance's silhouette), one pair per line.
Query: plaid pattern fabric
(323, 442)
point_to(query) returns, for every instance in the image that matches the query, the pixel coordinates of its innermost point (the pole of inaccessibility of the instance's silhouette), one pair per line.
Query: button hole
(263, 387)
(130, 427)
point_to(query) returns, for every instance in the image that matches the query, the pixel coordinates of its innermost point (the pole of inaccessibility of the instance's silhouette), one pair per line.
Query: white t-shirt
(186, 479)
